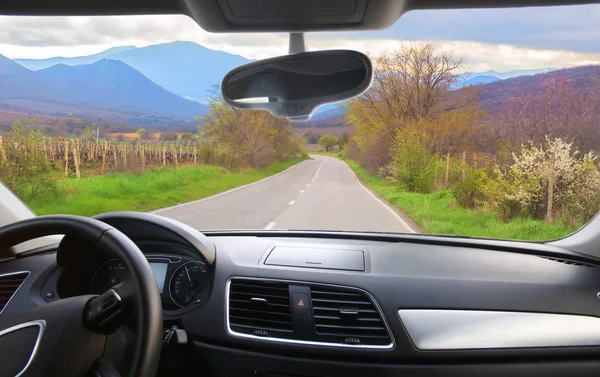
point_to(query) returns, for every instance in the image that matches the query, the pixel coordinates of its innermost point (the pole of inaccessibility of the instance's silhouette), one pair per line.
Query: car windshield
(479, 123)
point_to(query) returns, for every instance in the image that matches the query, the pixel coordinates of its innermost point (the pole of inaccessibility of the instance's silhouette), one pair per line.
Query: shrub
(523, 187)
(328, 142)
(28, 174)
(468, 191)
(413, 164)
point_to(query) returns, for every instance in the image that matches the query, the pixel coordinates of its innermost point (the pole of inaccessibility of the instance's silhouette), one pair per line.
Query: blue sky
(501, 39)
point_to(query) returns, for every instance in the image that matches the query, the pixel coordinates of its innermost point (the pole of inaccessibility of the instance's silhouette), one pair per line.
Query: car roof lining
(266, 15)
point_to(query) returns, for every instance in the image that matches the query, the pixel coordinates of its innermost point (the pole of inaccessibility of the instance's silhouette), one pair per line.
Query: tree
(344, 140)
(328, 142)
(410, 84)
(413, 164)
(143, 133)
(247, 137)
(187, 136)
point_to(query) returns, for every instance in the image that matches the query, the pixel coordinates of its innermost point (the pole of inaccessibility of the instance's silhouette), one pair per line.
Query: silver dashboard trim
(479, 329)
(16, 290)
(42, 325)
(307, 342)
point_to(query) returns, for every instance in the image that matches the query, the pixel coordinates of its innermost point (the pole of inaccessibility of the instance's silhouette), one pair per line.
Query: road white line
(226, 192)
(292, 202)
(404, 223)
(270, 226)
(301, 191)
(319, 169)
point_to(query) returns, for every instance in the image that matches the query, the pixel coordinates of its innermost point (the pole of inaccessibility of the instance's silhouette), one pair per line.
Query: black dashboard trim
(511, 246)
(388, 347)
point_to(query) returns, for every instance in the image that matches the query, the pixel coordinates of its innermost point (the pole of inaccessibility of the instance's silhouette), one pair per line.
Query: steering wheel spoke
(79, 324)
(105, 313)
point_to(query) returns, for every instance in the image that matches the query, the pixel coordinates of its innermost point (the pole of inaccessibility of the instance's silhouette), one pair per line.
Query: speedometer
(188, 283)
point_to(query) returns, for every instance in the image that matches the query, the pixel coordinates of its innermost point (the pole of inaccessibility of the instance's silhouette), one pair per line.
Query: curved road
(319, 194)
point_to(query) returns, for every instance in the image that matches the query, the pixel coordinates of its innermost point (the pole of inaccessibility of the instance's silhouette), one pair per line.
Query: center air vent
(305, 313)
(347, 316)
(260, 308)
(9, 284)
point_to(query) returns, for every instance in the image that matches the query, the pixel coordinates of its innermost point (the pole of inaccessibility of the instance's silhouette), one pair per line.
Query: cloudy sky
(502, 40)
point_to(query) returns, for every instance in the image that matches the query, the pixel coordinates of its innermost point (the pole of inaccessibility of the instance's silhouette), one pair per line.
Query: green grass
(438, 214)
(150, 190)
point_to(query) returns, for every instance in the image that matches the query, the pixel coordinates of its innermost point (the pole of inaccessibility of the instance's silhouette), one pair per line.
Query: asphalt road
(319, 194)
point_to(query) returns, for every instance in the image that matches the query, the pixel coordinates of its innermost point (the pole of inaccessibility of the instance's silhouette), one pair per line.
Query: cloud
(501, 39)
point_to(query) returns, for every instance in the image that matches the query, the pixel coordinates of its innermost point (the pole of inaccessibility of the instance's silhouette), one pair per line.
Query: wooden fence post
(447, 167)
(2, 153)
(104, 151)
(125, 157)
(464, 165)
(115, 157)
(194, 155)
(551, 179)
(66, 157)
(76, 158)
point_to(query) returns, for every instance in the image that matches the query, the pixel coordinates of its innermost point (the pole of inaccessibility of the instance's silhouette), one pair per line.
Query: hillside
(115, 85)
(184, 68)
(107, 89)
(495, 97)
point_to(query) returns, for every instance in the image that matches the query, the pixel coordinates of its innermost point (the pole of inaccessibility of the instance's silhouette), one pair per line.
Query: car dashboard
(343, 304)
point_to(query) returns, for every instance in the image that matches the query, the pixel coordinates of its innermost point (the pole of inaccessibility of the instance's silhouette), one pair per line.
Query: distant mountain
(118, 86)
(507, 75)
(494, 97)
(184, 68)
(107, 88)
(37, 64)
(477, 80)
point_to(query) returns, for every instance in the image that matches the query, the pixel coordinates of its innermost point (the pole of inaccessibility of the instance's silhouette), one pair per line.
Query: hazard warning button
(300, 301)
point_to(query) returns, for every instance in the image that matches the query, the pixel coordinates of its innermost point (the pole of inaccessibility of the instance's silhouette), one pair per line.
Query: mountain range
(184, 68)
(107, 88)
(167, 84)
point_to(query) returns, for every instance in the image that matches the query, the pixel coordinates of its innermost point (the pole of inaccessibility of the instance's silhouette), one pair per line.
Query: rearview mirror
(294, 86)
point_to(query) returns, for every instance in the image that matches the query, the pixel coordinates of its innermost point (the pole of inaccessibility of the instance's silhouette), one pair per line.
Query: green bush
(522, 188)
(413, 164)
(468, 191)
(25, 172)
(328, 141)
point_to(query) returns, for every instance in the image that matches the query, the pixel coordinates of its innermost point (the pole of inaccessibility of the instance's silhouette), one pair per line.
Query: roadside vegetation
(155, 188)
(439, 213)
(83, 174)
(530, 172)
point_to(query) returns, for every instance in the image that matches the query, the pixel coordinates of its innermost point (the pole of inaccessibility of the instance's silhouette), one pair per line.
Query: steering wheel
(72, 332)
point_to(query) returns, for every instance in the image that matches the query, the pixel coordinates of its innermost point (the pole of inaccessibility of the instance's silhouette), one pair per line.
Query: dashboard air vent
(568, 261)
(260, 308)
(9, 284)
(347, 316)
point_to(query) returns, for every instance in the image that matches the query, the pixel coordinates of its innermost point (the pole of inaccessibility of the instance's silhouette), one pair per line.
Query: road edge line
(382, 202)
(226, 192)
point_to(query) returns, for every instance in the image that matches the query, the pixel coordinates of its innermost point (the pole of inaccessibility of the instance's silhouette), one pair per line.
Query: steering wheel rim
(140, 292)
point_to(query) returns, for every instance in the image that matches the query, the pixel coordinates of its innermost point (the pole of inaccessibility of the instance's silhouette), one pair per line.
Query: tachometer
(110, 274)
(188, 282)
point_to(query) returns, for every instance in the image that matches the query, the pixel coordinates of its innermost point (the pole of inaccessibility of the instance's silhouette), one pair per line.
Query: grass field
(150, 190)
(437, 214)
